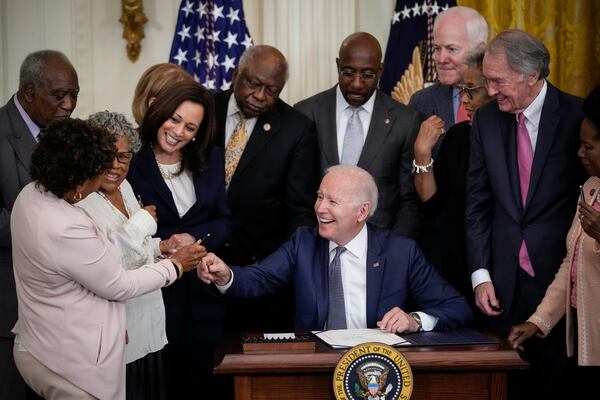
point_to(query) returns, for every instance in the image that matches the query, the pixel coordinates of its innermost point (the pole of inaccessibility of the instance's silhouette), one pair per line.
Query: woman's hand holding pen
(190, 256)
(176, 242)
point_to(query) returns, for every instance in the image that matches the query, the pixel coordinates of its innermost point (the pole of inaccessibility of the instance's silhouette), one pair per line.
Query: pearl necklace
(113, 207)
(169, 175)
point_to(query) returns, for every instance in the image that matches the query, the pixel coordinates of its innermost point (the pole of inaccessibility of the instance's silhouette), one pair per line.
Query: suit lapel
(325, 120)
(379, 128)
(21, 139)
(149, 171)
(267, 125)
(321, 274)
(221, 103)
(509, 132)
(375, 270)
(546, 133)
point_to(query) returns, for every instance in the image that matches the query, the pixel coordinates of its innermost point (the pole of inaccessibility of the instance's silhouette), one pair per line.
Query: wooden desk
(440, 373)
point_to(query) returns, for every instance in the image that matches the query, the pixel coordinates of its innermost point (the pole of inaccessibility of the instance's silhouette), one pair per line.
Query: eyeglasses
(470, 89)
(254, 84)
(124, 157)
(363, 76)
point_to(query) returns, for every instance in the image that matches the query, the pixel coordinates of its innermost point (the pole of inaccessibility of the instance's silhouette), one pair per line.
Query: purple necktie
(525, 159)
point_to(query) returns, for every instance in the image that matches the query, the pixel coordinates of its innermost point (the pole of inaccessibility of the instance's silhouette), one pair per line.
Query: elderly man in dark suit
(48, 89)
(360, 125)
(271, 173)
(348, 273)
(456, 31)
(522, 189)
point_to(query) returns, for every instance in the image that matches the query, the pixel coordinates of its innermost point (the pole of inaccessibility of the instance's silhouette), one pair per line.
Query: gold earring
(78, 196)
(194, 139)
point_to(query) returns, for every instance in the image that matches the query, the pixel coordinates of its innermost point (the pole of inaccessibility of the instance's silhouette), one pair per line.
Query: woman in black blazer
(180, 171)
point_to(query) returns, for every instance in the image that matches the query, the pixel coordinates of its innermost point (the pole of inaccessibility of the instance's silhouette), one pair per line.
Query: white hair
(365, 188)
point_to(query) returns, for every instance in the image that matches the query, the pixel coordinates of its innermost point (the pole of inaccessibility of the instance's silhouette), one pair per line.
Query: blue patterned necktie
(353, 139)
(336, 318)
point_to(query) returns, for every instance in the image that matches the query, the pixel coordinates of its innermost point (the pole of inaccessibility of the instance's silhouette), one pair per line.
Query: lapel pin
(267, 127)
(387, 121)
(375, 264)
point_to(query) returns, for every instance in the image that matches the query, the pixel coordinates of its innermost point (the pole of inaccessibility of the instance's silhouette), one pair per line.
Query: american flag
(412, 25)
(210, 37)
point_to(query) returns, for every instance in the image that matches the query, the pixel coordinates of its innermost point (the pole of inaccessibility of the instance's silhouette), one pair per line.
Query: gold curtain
(570, 29)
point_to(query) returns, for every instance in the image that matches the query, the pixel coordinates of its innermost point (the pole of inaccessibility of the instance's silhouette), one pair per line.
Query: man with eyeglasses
(522, 190)
(456, 31)
(357, 124)
(48, 89)
(271, 173)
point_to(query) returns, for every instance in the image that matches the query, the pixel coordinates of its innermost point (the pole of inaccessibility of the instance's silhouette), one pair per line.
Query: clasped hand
(398, 321)
(214, 270)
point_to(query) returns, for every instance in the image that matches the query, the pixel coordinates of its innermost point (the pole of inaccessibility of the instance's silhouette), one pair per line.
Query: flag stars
(396, 18)
(199, 34)
(197, 58)
(231, 39)
(233, 15)
(210, 84)
(405, 13)
(184, 32)
(212, 60)
(225, 85)
(217, 12)
(247, 41)
(187, 9)
(202, 10)
(424, 8)
(228, 64)
(181, 56)
(214, 36)
(416, 10)
(435, 9)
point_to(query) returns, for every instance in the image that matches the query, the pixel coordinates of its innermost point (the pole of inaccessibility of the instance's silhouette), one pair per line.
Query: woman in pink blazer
(70, 335)
(575, 291)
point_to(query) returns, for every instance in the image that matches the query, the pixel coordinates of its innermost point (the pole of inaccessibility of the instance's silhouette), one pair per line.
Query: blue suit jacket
(396, 273)
(435, 99)
(210, 214)
(496, 220)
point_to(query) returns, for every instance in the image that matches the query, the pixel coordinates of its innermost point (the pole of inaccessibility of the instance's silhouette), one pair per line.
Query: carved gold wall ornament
(411, 80)
(133, 20)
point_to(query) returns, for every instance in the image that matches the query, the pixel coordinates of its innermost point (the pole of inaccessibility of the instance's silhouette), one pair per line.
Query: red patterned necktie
(525, 159)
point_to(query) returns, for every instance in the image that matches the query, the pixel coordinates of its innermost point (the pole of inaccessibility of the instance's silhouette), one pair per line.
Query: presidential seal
(372, 371)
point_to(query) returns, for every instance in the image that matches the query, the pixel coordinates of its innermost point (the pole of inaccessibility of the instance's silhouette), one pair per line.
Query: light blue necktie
(336, 318)
(353, 139)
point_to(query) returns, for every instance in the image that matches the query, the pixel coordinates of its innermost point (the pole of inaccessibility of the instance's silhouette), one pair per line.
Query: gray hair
(117, 124)
(256, 51)
(476, 25)
(33, 66)
(524, 53)
(474, 58)
(365, 186)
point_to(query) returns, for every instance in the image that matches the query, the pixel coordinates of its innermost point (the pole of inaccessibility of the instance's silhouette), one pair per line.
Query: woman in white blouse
(130, 225)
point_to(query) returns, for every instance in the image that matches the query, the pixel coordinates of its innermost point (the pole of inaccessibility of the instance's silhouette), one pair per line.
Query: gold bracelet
(178, 267)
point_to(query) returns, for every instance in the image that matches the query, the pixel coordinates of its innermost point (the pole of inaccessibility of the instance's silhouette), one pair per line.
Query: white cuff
(480, 276)
(428, 322)
(144, 222)
(226, 286)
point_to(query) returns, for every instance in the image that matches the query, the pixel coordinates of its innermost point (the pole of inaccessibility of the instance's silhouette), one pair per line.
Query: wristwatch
(417, 319)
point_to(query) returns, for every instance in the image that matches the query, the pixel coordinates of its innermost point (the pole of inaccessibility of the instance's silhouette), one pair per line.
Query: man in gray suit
(360, 125)
(48, 89)
(456, 31)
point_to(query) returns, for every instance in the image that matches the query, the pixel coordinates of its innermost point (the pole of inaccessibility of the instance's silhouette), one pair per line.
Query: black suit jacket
(16, 145)
(273, 189)
(387, 155)
(496, 220)
(189, 297)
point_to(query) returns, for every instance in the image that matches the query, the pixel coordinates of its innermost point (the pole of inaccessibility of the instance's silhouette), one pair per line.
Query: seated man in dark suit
(347, 273)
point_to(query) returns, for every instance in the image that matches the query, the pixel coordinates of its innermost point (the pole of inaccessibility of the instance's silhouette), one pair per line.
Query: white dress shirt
(181, 186)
